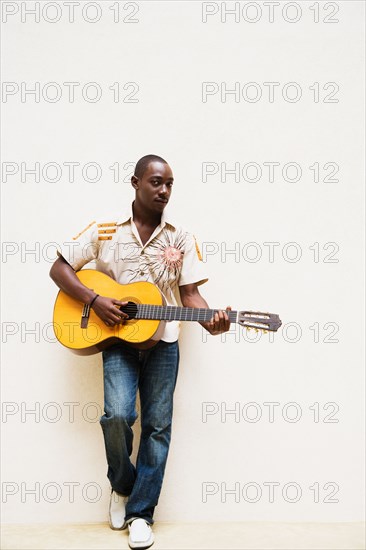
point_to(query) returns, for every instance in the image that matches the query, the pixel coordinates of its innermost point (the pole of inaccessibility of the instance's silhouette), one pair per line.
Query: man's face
(153, 190)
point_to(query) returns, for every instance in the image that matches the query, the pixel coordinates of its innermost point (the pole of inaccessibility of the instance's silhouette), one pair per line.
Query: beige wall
(311, 370)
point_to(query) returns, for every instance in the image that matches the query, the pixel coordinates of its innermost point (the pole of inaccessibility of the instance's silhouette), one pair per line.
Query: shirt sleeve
(193, 270)
(81, 249)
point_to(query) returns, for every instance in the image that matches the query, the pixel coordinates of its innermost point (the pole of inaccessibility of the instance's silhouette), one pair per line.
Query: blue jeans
(154, 373)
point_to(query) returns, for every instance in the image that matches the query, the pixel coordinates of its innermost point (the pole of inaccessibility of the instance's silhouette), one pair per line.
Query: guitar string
(169, 313)
(177, 313)
(172, 311)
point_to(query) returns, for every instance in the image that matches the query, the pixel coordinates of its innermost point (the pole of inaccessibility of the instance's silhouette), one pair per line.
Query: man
(143, 244)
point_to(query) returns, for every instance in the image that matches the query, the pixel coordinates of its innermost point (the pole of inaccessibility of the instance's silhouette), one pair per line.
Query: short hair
(144, 162)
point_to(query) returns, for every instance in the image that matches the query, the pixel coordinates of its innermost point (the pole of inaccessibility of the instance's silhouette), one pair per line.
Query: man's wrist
(93, 300)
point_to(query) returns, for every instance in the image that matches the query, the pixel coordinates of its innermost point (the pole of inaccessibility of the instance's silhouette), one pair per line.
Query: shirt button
(142, 273)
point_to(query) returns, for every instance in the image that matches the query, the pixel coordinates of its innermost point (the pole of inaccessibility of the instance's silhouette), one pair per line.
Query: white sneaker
(117, 511)
(141, 535)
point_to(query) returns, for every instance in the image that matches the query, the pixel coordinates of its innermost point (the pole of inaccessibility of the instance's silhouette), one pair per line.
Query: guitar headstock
(259, 320)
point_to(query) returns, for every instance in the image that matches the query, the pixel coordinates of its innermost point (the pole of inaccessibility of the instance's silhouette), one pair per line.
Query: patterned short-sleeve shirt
(169, 259)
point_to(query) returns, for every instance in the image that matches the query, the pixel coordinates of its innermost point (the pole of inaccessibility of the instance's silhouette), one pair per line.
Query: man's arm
(106, 308)
(190, 297)
(65, 278)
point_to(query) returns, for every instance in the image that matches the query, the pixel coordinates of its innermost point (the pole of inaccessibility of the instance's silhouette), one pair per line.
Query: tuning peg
(265, 331)
(256, 330)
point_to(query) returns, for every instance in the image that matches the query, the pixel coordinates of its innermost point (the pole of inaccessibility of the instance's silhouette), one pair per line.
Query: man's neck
(144, 217)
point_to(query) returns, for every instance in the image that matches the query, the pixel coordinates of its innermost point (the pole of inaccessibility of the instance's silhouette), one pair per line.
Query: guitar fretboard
(178, 313)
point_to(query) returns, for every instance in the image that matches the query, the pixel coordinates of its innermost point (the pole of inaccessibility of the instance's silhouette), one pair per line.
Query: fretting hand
(219, 323)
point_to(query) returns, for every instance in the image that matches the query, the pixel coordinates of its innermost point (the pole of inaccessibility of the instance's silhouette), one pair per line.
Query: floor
(190, 536)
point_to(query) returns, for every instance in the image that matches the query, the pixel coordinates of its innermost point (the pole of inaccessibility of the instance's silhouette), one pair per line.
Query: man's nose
(164, 189)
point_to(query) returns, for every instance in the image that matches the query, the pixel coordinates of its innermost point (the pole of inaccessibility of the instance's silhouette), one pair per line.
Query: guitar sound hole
(130, 308)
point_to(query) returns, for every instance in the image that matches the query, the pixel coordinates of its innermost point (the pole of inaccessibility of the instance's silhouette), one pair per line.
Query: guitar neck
(178, 313)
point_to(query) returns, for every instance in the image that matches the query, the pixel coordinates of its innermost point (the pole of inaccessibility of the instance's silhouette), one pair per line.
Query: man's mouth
(162, 200)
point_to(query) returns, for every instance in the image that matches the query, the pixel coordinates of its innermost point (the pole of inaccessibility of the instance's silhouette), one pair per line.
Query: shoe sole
(140, 547)
(124, 526)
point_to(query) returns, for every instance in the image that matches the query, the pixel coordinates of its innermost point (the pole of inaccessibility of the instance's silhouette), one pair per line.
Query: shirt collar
(127, 215)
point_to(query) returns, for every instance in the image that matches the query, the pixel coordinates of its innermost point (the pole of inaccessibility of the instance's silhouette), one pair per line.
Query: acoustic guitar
(78, 327)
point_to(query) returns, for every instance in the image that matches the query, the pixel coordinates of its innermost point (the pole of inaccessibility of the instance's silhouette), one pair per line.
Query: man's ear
(135, 182)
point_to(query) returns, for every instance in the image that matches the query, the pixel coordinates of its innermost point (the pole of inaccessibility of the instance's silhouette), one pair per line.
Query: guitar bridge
(85, 316)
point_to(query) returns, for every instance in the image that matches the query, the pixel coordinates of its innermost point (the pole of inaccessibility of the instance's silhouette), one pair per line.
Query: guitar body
(68, 312)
